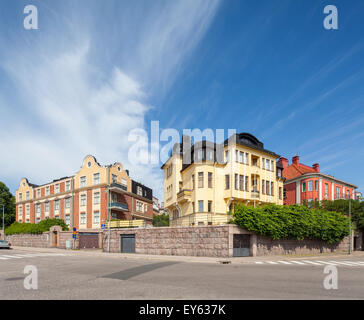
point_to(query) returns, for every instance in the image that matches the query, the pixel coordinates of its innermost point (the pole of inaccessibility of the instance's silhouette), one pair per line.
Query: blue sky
(94, 70)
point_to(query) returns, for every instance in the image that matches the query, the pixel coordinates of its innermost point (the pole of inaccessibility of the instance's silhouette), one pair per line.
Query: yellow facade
(199, 193)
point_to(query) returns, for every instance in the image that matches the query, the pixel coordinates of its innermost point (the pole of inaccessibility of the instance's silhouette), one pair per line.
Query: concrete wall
(29, 240)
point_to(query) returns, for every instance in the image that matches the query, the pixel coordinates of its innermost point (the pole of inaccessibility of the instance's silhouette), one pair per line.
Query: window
(272, 188)
(200, 205)
(96, 197)
(209, 206)
(200, 179)
(337, 192)
(145, 207)
(227, 181)
(123, 182)
(169, 170)
(83, 200)
(114, 178)
(316, 185)
(96, 217)
(20, 197)
(47, 191)
(246, 183)
(209, 155)
(96, 178)
(309, 204)
(68, 203)
(114, 197)
(38, 208)
(209, 179)
(83, 218)
(46, 207)
(139, 191)
(83, 182)
(326, 190)
(193, 182)
(27, 195)
(241, 157)
(227, 158)
(57, 188)
(56, 205)
(267, 188)
(236, 155)
(241, 183)
(263, 163)
(37, 220)
(309, 186)
(20, 211)
(193, 207)
(280, 193)
(68, 185)
(68, 220)
(139, 206)
(263, 186)
(284, 193)
(246, 158)
(267, 164)
(38, 193)
(304, 187)
(236, 181)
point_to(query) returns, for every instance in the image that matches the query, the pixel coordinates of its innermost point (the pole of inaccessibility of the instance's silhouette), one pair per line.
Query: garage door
(241, 245)
(89, 240)
(127, 244)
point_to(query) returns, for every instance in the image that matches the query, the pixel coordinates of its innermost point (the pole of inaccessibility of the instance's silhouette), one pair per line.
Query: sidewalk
(232, 260)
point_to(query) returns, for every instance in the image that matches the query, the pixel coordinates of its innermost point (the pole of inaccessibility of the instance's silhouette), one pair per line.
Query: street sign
(74, 236)
(103, 226)
(74, 229)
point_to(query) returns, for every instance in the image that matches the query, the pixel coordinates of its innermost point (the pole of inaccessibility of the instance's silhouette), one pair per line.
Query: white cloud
(66, 103)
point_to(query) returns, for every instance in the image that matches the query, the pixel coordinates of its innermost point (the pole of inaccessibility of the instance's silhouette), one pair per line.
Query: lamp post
(3, 222)
(349, 225)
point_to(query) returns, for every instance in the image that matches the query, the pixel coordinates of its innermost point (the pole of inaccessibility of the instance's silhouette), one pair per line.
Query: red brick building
(307, 184)
(87, 199)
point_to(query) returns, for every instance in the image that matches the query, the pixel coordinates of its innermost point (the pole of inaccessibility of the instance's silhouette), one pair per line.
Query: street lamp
(3, 223)
(349, 225)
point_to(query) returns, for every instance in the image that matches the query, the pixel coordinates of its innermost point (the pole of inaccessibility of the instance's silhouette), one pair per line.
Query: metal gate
(241, 245)
(89, 240)
(127, 244)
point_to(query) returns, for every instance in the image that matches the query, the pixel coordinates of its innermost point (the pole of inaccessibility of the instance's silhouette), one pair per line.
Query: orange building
(307, 184)
(87, 199)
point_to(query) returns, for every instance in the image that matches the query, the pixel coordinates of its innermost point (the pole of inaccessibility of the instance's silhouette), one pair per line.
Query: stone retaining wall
(29, 240)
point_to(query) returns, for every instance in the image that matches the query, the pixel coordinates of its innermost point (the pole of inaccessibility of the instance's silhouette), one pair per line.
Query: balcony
(118, 187)
(119, 206)
(255, 194)
(184, 195)
(125, 223)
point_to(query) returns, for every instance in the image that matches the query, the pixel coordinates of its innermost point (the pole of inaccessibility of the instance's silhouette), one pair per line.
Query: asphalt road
(76, 276)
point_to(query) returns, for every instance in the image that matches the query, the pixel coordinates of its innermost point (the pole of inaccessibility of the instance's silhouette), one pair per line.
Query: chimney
(127, 172)
(316, 167)
(296, 160)
(283, 162)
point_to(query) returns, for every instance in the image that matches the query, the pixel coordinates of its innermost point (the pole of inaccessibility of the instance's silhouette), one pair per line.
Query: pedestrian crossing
(313, 263)
(28, 255)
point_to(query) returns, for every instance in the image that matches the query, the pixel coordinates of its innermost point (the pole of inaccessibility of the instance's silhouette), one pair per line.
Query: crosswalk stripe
(2, 258)
(298, 262)
(327, 262)
(272, 262)
(259, 262)
(343, 263)
(355, 263)
(6, 256)
(284, 262)
(311, 262)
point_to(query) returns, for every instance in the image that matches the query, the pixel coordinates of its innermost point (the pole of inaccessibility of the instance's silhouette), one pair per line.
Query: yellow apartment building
(205, 181)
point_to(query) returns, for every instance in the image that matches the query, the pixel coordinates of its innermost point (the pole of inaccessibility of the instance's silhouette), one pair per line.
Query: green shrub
(293, 222)
(35, 228)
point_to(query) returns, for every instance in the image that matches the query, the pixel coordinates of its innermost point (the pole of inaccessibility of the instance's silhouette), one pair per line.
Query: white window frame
(96, 197)
(96, 178)
(83, 181)
(94, 216)
(83, 200)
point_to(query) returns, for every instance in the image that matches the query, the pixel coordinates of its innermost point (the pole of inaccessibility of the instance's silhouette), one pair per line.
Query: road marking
(11, 256)
(355, 263)
(327, 262)
(343, 263)
(259, 262)
(315, 263)
(285, 262)
(272, 262)
(2, 258)
(298, 262)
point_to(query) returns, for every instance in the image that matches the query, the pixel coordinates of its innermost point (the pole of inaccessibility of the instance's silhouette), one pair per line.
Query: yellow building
(203, 182)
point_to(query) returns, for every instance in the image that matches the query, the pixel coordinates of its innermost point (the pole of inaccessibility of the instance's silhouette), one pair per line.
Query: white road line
(315, 263)
(298, 262)
(2, 258)
(259, 262)
(22, 255)
(327, 262)
(360, 262)
(272, 262)
(343, 263)
(355, 263)
(285, 262)
(6, 256)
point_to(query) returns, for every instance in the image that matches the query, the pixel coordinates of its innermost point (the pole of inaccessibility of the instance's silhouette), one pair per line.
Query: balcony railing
(255, 194)
(118, 186)
(118, 205)
(184, 195)
(125, 223)
(200, 218)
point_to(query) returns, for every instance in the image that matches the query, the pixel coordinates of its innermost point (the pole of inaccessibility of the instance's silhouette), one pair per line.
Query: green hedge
(293, 222)
(37, 228)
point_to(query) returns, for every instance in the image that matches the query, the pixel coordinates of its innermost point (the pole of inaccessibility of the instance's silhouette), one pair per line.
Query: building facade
(307, 184)
(87, 199)
(204, 181)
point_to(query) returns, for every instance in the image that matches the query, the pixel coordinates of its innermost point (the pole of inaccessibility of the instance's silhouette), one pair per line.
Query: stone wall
(267, 246)
(212, 241)
(29, 240)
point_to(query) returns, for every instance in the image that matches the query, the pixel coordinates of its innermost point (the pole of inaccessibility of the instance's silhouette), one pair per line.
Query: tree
(161, 220)
(8, 200)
